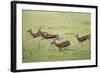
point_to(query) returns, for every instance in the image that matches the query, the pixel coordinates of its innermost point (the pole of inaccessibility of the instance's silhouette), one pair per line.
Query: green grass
(64, 24)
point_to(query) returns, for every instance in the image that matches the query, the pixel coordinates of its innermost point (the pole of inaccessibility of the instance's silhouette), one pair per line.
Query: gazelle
(46, 35)
(83, 38)
(61, 45)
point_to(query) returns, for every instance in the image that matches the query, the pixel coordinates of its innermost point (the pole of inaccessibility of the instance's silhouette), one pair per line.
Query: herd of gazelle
(54, 38)
(44, 35)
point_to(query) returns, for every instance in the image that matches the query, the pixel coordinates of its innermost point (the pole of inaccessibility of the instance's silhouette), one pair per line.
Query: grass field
(66, 24)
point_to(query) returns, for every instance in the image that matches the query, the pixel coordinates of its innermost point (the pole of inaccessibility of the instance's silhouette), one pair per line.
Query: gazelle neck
(31, 32)
(54, 42)
(77, 36)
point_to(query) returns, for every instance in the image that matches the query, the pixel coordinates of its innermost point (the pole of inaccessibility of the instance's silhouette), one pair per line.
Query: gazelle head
(30, 30)
(76, 35)
(53, 41)
(57, 37)
(39, 30)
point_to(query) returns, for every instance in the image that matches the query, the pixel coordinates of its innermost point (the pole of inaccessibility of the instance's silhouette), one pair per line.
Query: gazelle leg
(50, 44)
(77, 45)
(85, 44)
(60, 49)
(38, 46)
(63, 51)
(41, 38)
(39, 43)
(81, 45)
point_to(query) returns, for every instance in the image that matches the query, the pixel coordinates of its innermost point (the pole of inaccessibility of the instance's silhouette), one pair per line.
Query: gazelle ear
(76, 33)
(39, 28)
(57, 37)
(29, 30)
